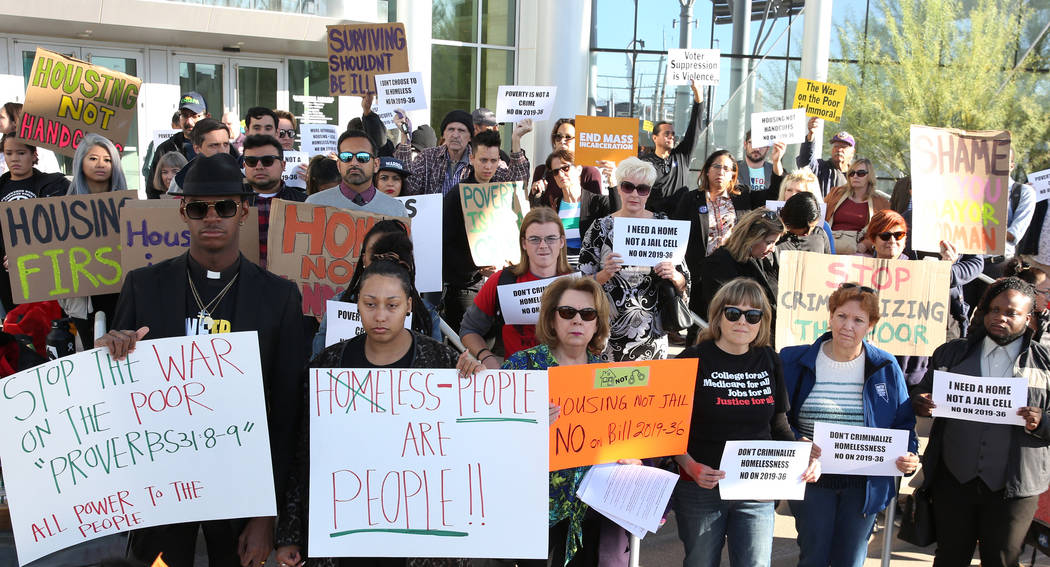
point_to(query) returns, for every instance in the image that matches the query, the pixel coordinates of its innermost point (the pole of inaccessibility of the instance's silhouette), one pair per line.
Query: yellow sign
(822, 100)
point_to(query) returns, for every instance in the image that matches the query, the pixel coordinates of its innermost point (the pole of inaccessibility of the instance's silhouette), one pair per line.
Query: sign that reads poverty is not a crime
(357, 53)
(763, 470)
(962, 188)
(821, 100)
(1040, 181)
(491, 222)
(788, 126)
(344, 322)
(95, 446)
(647, 242)
(913, 299)
(67, 98)
(979, 398)
(602, 138)
(516, 103)
(687, 65)
(450, 466)
(292, 161)
(848, 449)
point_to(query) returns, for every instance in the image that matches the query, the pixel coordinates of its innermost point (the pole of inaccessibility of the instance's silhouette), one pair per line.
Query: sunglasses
(197, 210)
(858, 173)
(566, 137)
(732, 314)
(628, 187)
(567, 313)
(863, 288)
(362, 157)
(896, 235)
(267, 161)
(286, 133)
(564, 169)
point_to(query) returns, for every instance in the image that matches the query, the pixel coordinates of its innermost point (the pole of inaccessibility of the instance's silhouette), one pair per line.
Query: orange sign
(602, 138)
(620, 410)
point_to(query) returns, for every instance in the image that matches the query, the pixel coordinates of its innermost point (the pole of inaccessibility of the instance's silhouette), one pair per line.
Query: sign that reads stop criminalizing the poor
(601, 138)
(821, 100)
(67, 98)
(357, 53)
(912, 295)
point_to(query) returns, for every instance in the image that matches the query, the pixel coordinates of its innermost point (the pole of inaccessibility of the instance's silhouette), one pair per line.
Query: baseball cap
(193, 101)
(395, 165)
(845, 138)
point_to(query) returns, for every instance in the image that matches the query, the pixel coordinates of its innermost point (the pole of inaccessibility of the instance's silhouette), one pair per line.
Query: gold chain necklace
(204, 315)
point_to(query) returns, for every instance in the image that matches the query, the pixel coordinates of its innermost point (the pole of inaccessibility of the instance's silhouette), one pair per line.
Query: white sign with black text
(401, 90)
(344, 322)
(1040, 181)
(686, 65)
(764, 470)
(520, 302)
(516, 103)
(788, 126)
(292, 161)
(318, 139)
(848, 449)
(979, 398)
(647, 242)
(425, 212)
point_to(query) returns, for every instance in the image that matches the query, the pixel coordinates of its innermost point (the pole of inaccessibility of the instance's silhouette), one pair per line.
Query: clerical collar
(199, 272)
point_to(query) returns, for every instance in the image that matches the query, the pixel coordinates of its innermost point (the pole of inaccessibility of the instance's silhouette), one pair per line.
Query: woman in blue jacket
(843, 379)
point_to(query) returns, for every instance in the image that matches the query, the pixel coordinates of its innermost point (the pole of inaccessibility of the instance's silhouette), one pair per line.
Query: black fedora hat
(219, 174)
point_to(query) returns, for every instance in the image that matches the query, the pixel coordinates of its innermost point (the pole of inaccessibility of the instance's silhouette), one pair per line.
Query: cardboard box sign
(356, 54)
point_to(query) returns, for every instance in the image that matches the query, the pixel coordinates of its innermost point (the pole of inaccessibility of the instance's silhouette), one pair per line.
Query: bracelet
(486, 358)
(483, 349)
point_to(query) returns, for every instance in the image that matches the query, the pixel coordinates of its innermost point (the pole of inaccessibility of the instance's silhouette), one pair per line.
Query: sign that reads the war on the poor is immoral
(357, 53)
(821, 100)
(648, 242)
(979, 398)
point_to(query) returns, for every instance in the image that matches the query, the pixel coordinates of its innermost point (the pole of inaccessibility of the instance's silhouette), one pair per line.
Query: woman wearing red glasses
(852, 206)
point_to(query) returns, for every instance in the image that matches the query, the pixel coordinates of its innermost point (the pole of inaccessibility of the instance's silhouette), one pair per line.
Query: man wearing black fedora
(213, 289)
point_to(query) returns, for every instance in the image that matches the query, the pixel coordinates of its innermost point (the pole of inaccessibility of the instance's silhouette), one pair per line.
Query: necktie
(358, 200)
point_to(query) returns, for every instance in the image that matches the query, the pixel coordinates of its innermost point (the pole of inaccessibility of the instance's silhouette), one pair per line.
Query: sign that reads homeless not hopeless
(357, 53)
(67, 98)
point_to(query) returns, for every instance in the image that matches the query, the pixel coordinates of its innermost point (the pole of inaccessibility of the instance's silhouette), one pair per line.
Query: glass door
(259, 83)
(208, 76)
(128, 62)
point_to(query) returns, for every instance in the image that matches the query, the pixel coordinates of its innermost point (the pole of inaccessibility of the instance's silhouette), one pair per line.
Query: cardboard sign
(416, 478)
(426, 214)
(153, 231)
(1040, 181)
(962, 189)
(316, 247)
(620, 410)
(491, 221)
(847, 449)
(601, 138)
(516, 103)
(161, 136)
(687, 65)
(95, 446)
(63, 246)
(357, 53)
(401, 90)
(520, 302)
(648, 242)
(788, 126)
(979, 398)
(775, 206)
(292, 161)
(764, 470)
(318, 139)
(913, 297)
(344, 322)
(67, 98)
(821, 100)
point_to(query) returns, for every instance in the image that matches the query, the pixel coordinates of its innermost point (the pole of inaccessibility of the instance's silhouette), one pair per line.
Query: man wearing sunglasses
(263, 161)
(208, 290)
(830, 172)
(357, 162)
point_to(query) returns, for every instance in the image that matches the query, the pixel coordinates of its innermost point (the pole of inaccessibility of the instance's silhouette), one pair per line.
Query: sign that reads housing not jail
(357, 53)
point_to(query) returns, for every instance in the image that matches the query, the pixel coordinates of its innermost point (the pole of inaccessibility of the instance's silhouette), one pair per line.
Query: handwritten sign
(95, 446)
(647, 242)
(292, 161)
(401, 90)
(318, 139)
(979, 398)
(357, 53)
(344, 322)
(515, 103)
(620, 410)
(686, 65)
(520, 302)
(492, 223)
(425, 211)
(913, 298)
(788, 126)
(821, 100)
(601, 138)
(764, 470)
(848, 449)
(417, 480)
(775, 206)
(962, 188)
(67, 98)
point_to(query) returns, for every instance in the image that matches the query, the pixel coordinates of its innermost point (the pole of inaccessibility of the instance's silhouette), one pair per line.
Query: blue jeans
(705, 522)
(831, 528)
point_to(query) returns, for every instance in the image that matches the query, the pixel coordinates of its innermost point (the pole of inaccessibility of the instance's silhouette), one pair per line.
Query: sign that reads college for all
(67, 98)
(357, 53)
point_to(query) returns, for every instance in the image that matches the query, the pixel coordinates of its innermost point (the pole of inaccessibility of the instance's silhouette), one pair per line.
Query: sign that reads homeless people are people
(913, 299)
(357, 53)
(67, 98)
(95, 446)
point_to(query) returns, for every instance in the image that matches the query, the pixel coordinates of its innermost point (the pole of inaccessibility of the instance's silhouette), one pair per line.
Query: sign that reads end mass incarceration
(316, 247)
(620, 410)
(962, 188)
(96, 446)
(450, 466)
(63, 246)
(848, 449)
(67, 98)
(979, 398)
(912, 294)
(647, 242)
(357, 53)
(821, 100)
(687, 65)
(601, 138)
(491, 222)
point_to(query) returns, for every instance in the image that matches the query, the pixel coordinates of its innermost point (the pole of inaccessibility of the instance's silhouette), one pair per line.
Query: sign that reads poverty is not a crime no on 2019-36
(357, 53)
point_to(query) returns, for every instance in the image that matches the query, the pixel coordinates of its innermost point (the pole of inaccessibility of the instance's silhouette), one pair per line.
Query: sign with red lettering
(912, 299)
(441, 466)
(95, 446)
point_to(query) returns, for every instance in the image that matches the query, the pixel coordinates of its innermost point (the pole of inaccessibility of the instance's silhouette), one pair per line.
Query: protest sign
(318, 139)
(416, 478)
(67, 98)
(344, 322)
(635, 497)
(775, 206)
(821, 100)
(292, 161)
(764, 470)
(520, 302)
(620, 410)
(647, 242)
(788, 126)
(1040, 181)
(386, 115)
(96, 446)
(357, 53)
(913, 299)
(63, 246)
(161, 136)
(313, 109)
(153, 231)
(426, 214)
(316, 247)
(601, 138)
(687, 65)
(979, 398)
(401, 90)
(847, 449)
(961, 183)
(491, 222)
(516, 103)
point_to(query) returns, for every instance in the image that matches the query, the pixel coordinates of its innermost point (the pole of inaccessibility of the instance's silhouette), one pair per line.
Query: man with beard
(263, 161)
(755, 172)
(357, 164)
(985, 479)
(671, 161)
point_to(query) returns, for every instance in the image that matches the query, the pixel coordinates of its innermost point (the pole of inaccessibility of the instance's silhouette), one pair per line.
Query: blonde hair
(545, 332)
(806, 181)
(739, 291)
(635, 167)
(752, 227)
(540, 215)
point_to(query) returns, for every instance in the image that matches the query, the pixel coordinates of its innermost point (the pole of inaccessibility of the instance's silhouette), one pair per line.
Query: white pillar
(816, 44)
(737, 117)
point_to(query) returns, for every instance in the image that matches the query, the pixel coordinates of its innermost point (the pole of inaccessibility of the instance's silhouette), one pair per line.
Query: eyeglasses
(862, 288)
(362, 157)
(267, 161)
(567, 313)
(858, 173)
(565, 137)
(897, 235)
(719, 167)
(549, 240)
(564, 169)
(286, 133)
(197, 210)
(732, 314)
(628, 187)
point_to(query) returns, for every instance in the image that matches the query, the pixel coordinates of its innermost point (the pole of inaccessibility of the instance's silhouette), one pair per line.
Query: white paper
(775, 206)
(788, 126)
(848, 449)
(344, 322)
(647, 242)
(318, 139)
(979, 398)
(1040, 181)
(161, 136)
(516, 103)
(292, 161)
(684, 65)
(520, 302)
(386, 115)
(172, 423)
(401, 90)
(464, 462)
(764, 470)
(638, 494)
(425, 213)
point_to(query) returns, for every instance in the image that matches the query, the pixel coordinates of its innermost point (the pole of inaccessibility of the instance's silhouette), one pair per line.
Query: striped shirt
(570, 219)
(837, 395)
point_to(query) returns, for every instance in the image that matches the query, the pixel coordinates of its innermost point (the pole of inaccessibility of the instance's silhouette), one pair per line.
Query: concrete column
(737, 118)
(816, 42)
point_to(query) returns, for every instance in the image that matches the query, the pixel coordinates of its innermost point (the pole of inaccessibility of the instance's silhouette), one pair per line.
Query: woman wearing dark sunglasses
(577, 204)
(563, 137)
(852, 206)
